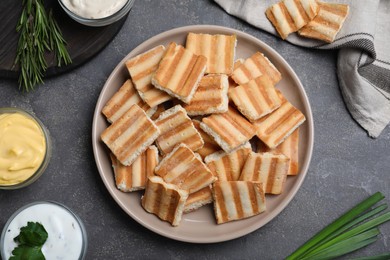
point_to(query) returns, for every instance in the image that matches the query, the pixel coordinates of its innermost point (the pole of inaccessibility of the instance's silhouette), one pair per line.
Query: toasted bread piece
(256, 98)
(176, 127)
(179, 72)
(130, 135)
(274, 128)
(254, 67)
(184, 169)
(198, 199)
(210, 146)
(218, 49)
(234, 200)
(210, 96)
(228, 166)
(134, 177)
(122, 100)
(141, 69)
(267, 168)
(289, 16)
(327, 23)
(165, 200)
(288, 147)
(232, 83)
(229, 130)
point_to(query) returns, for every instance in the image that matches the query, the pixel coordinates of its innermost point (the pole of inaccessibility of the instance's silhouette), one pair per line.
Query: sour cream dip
(94, 9)
(66, 234)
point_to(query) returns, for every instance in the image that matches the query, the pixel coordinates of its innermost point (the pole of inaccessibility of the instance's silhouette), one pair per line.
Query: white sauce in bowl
(94, 9)
(65, 235)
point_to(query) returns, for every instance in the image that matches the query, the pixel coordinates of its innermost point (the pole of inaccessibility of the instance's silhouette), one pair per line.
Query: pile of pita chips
(310, 18)
(184, 125)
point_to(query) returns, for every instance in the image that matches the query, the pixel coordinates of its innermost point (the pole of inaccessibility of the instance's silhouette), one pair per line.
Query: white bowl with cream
(96, 12)
(67, 237)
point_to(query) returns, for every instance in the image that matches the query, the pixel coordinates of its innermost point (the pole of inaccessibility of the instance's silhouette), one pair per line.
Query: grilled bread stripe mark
(241, 74)
(220, 201)
(124, 123)
(170, 162)
(295, 119)
(174, 199)
(228, 198)
(124, 93)
(143, 167)
(134, 177)
(240, 97)
(237, 193)
(302, 12)
(253, 197)
(132, 143)
(294, 13)
(271, 181)
(173, 120)
(168, 64)
(281, 21)
(179, 65)
(257, 96)
(153, 201)
(310, 7)
(145, 56)
(196, 73)
(199, 179)
(165, 201)
(234, 165)
(330, 19)
(267, 68)
(227, 164)
(192, 43)
(128, 131)
(229, 54)
(337, 9)
(220, 170)
(217, 124)
(220, 54)
(182, 73)
(245, 199)
(150, 163)
(252, 67)
(260, 91)
(176, 129)
(265, 167)
(200, 103)
(256, 169)
(294, 152)
(146, 72)
(284, 114)
(238, 122)
(258, 61)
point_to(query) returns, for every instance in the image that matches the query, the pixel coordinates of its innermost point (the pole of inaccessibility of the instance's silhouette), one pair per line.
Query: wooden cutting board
(83, 42)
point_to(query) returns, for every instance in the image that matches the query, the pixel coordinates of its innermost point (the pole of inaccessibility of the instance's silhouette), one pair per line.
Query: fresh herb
(347, 233)
(30, 239)
(39, 32)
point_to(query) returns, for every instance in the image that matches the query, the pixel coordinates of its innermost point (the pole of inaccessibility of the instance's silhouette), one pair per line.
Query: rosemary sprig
(39, 32)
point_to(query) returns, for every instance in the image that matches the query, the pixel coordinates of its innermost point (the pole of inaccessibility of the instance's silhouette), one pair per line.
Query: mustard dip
(22, 148)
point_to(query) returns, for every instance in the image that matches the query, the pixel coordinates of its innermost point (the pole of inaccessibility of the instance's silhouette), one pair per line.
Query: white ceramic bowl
(99, 21)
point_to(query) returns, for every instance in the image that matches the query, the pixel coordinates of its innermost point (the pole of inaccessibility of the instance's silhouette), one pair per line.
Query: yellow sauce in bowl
(22, 148)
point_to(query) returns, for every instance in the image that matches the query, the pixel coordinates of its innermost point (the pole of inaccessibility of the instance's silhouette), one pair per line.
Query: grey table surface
(346, 166)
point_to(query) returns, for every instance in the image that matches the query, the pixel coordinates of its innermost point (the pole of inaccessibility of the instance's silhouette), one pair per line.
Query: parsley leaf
(30, 239)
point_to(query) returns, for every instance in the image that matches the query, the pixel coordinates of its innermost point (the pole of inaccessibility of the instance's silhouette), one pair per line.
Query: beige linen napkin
(363, 61)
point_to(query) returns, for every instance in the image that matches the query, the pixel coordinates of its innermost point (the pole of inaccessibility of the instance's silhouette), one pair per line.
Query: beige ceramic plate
(200, 226)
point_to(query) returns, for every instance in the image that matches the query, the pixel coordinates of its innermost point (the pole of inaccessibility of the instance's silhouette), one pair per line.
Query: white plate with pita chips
(200, 226)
